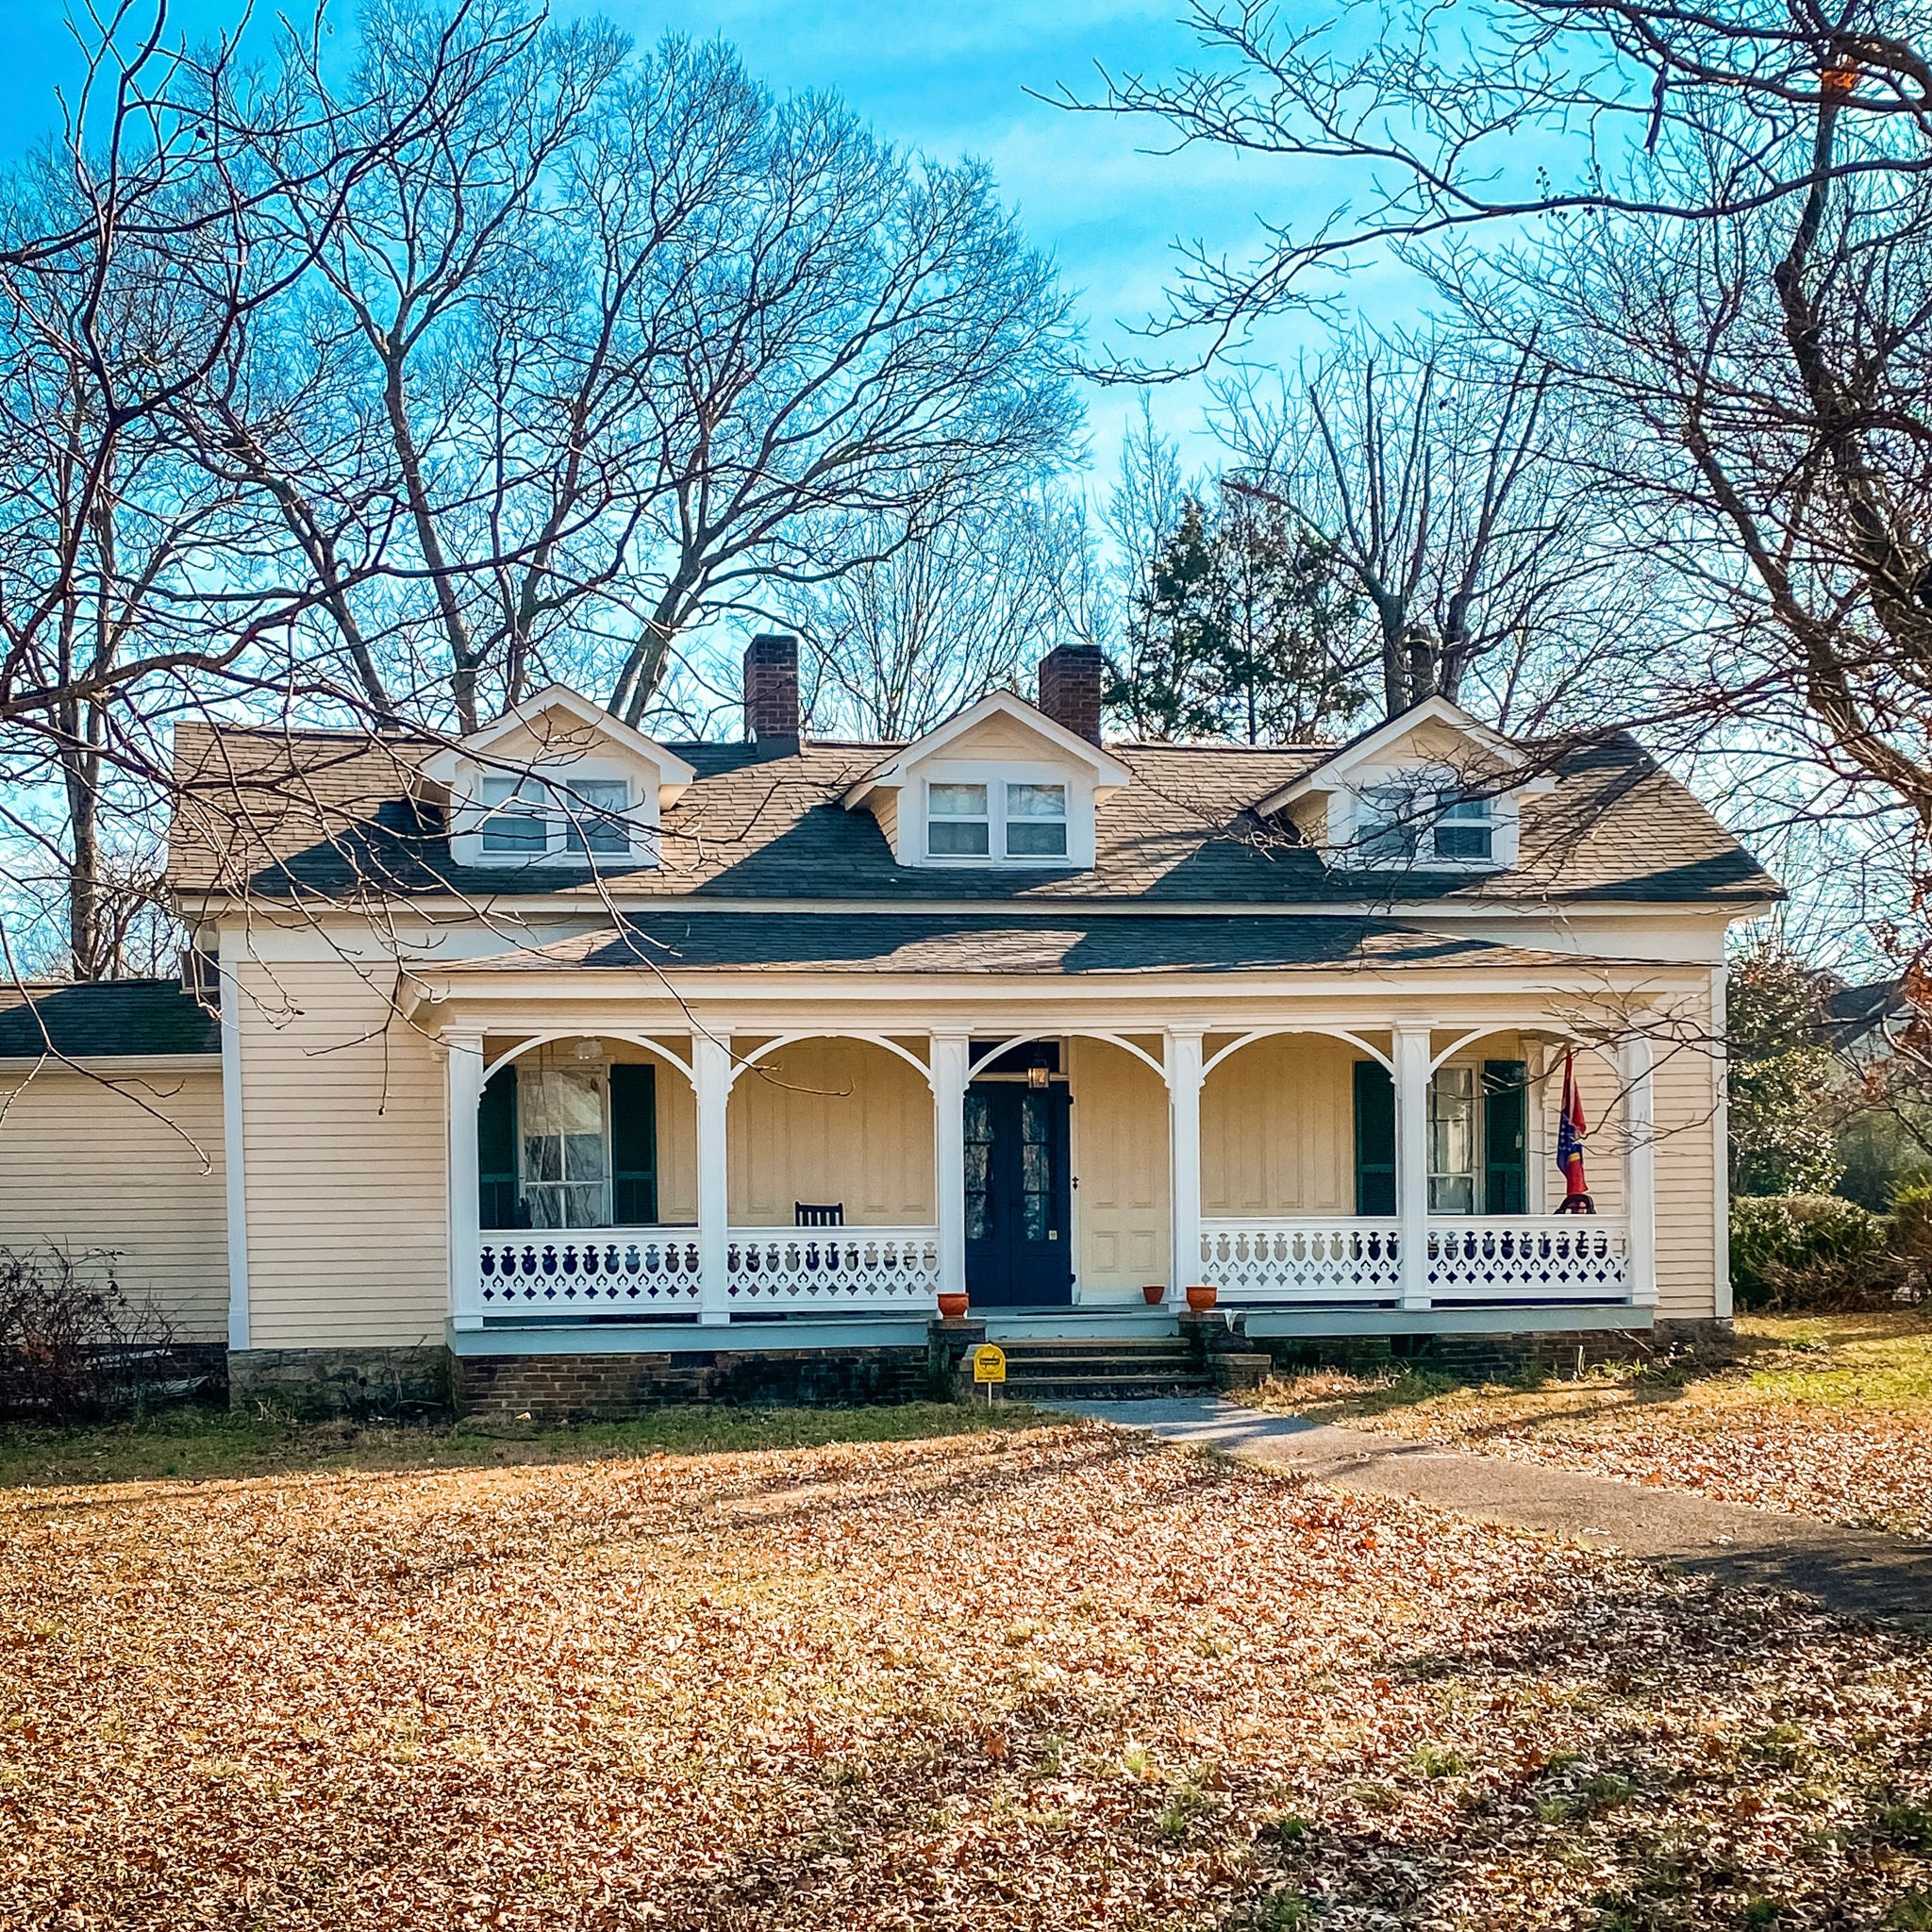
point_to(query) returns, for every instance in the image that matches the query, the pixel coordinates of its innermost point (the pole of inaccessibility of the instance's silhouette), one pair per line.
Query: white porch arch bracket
(1259, 1033)
(765, 1048)
(1008, 1041)
(642, 1042)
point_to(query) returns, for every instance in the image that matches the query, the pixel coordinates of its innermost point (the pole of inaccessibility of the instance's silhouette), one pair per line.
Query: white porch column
(951, 1057)
(1411, 1057)
(1181, 1058)
(710, 1065)
(463, 1080)
(1640, 1166)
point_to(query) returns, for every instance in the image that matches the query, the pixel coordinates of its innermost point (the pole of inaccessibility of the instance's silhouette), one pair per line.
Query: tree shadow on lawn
(192, 1445)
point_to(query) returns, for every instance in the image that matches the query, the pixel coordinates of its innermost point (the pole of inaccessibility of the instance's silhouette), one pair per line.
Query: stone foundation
(576, 1387)
(328, 1382)
(1495, 1357)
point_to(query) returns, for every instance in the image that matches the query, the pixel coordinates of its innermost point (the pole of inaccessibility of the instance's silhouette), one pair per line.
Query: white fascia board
(1109, 775)
(674, 773)
(1333, 771)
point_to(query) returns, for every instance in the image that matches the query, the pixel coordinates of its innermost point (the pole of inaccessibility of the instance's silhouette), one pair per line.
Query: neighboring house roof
(1854, 1013)
(975, 942)
(106, 1018)
(329, 816)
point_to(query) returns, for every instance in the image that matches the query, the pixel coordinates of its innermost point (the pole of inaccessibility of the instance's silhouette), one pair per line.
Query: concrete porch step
(1151, 1386)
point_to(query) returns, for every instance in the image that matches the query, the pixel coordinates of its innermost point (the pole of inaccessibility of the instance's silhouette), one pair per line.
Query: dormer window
(1423, 821)
(1010, 819)
(530, 816)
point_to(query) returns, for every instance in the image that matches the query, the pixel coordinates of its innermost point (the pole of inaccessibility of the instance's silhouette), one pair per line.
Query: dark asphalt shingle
(107, 1017)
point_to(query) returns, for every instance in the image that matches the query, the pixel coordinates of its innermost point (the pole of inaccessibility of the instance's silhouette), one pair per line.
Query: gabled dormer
(1429, 790)
(556, 781)
(998, 785)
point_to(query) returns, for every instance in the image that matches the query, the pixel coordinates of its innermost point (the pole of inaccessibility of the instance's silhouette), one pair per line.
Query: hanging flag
(1570, 1132)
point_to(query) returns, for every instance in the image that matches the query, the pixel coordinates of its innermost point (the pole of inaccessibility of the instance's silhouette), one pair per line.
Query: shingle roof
(975, 942)
(106, 1017)
(329, 816)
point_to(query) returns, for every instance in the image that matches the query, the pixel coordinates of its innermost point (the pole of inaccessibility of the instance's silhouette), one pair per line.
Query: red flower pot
(1201, 1298)
(1154, 1294)
(952, 1307)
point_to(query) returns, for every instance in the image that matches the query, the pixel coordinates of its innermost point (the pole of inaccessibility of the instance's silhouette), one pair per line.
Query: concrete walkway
(1859, 1572)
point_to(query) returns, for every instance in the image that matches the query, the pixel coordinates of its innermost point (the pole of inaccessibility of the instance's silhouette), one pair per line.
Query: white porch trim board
(1181, 1057)
(1410, 1058)
(463, 1077)
(234, 1171)
(948, 1069)
(710, 1060)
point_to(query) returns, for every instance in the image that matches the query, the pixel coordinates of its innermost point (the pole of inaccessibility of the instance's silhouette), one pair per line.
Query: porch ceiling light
(588, 1049)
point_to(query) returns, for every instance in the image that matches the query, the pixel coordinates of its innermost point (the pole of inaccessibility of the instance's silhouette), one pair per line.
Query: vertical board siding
(1277, 1129)
(1120, 1168)
(831, 1120)
(342, 1107)
(87, 1168)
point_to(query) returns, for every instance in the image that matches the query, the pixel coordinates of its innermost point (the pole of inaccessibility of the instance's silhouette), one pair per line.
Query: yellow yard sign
(989, 1363)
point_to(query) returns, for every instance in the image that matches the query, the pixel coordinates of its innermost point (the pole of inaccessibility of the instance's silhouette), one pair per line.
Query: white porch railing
(1515, 1257)
(1532, 1257)
(1301, 1260)
(590, 1270)
(787, 1269)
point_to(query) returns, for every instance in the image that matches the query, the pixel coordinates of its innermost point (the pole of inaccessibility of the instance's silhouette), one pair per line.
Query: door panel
(1019, 1232)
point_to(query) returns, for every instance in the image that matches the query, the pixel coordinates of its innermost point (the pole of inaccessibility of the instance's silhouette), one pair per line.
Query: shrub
(72, 1346)
(1911, 1238)
(1809, 1251)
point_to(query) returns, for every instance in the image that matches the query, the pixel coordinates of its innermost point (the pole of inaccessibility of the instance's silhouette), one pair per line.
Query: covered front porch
(638, 1178)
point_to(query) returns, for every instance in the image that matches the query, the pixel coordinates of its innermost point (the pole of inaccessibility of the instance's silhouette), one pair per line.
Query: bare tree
(619, 345)
(895, 644)
(1729, 211)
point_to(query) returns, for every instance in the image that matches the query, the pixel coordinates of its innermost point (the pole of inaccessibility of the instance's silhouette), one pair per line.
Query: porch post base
(949, 1347)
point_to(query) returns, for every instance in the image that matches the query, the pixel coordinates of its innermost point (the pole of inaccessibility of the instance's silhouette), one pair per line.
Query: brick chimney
(1069, 688)
(771, 692)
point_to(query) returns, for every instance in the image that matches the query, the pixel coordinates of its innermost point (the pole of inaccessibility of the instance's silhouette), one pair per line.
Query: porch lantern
(1039, 1066)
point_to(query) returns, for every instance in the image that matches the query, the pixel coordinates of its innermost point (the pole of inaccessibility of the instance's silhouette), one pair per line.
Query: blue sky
(950, 79)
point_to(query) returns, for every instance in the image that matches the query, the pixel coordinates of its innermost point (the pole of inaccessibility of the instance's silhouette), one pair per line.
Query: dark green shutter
(1505, 1183)
(1374, 1138)
(497, 1149)
(633, 1144)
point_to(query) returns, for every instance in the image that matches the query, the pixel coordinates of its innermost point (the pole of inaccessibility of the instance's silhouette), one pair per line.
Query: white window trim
(562, 849)
(996, 774)
(1349, 823)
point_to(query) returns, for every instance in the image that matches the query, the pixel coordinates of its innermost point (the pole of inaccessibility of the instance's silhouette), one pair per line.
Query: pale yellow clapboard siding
(1001, 737)
(831, 1121)
(1277, 1129)
(85, 1167)
(1684, 1091)
(343, 1161)
(1120, 1168)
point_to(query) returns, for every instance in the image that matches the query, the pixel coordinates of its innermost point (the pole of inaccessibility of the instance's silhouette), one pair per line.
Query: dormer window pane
(1385, 822)
(1036, 820)
(596, 806)
(1463, 830)
(957, 826)
(517, 822)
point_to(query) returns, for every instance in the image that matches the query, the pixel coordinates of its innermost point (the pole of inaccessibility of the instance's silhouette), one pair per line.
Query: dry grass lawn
(1031, 1677)
(1824, 1415)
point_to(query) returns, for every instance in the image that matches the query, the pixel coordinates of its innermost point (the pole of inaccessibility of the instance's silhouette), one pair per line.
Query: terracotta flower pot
(952, 1307)
(1154, 1294)
(1201, 1298)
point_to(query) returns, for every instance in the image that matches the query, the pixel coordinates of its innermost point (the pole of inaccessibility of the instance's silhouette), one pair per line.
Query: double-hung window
(995, 820)
(518, 819)
(564, 1168)
(530, 815)
(1452, 1141)
(1386, 823)
(1462, 829)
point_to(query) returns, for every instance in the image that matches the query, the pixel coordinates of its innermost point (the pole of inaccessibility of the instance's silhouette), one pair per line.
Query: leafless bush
(72, 1346)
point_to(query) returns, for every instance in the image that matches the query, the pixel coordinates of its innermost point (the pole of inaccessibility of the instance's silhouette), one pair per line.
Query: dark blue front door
(1019, 1238)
